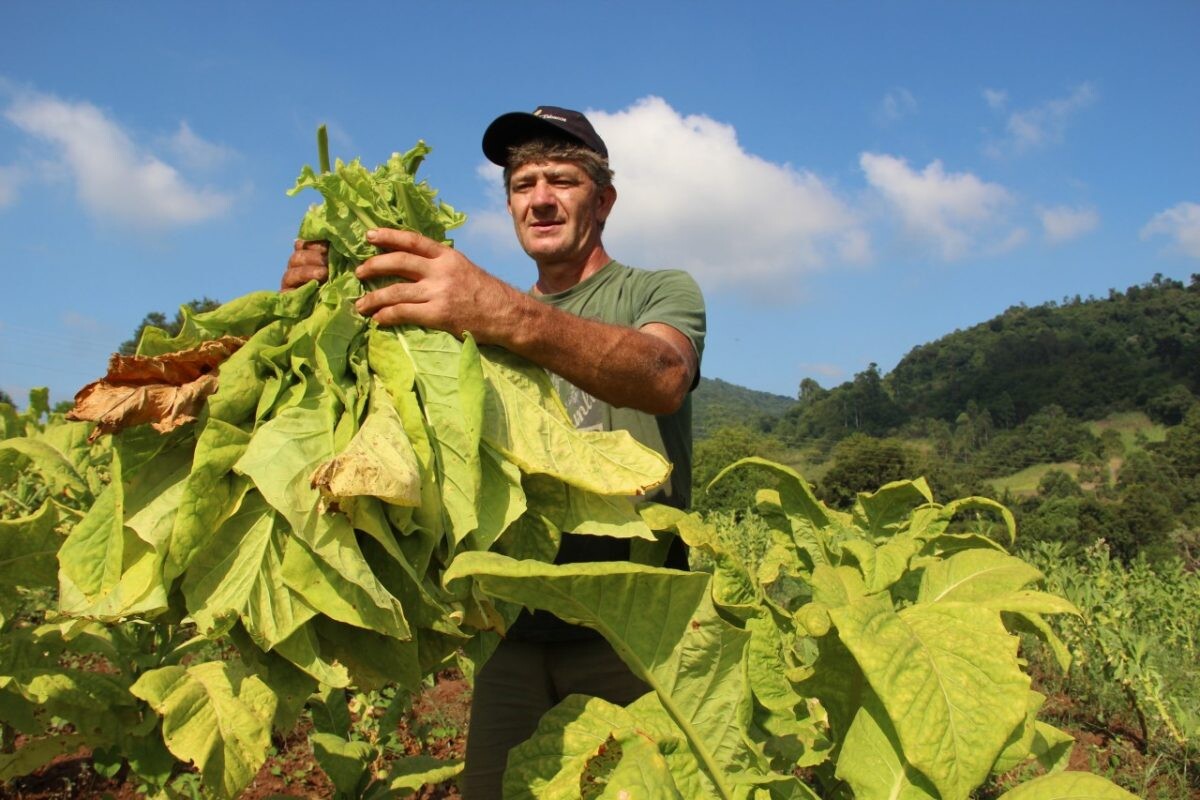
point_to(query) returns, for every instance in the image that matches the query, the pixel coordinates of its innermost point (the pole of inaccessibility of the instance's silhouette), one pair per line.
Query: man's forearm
(649, 369)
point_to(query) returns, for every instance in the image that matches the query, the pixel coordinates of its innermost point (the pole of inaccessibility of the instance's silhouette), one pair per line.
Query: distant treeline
(1137, 350)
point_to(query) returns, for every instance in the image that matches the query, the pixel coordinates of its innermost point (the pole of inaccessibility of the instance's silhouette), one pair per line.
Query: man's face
(557, 210)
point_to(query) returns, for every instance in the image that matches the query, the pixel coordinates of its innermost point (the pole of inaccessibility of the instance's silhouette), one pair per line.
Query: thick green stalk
(699, 747)
(323, 148)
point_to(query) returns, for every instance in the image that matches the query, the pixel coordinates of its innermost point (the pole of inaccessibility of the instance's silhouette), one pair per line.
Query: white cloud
(493, 177)
(896, 104)
(80, 322)
(689, 196)
(1040, 125)
(996, 98)
(1063, 223)
(196, 152)
(1180, 223)
(824, 369)
(1014, 239)
(113, 177)
(955, 212)
(10, 180)
(492, 225)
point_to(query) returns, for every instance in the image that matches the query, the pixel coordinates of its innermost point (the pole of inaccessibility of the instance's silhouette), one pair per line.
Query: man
(624, 347)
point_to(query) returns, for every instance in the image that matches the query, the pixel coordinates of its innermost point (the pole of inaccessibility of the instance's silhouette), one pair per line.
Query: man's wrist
(524, 324)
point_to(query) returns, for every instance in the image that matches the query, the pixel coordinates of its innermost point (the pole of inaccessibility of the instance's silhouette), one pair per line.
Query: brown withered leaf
(166, 391)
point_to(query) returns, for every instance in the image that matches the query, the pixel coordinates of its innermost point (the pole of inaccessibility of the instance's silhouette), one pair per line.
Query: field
(1133, 426)
(435, 725)
(774, 661)
(1134, 431)
(1025, 482)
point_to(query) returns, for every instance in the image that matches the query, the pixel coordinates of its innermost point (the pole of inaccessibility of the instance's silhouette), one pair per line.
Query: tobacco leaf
(166, 391)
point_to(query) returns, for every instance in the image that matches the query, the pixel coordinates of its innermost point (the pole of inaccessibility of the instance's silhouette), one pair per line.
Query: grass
(1025, 482)
(1135, 429)
(1130, 424)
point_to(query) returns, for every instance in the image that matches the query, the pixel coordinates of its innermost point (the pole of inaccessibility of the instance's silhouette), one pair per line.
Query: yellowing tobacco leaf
(166, 391)
(379, 461)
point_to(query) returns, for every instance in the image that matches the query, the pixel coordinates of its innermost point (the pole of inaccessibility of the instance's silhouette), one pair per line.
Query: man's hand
(443, 289)
(308, 262)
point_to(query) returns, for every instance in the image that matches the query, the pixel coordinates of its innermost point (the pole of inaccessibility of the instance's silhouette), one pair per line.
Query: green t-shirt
(621, 295)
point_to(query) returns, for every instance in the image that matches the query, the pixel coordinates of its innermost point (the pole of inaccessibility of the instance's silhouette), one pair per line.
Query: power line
(74, 342)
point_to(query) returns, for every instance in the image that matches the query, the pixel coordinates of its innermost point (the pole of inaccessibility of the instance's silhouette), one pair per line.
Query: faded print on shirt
(585, 411)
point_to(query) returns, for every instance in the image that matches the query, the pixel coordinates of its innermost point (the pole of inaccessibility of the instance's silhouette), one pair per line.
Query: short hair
(535, 150)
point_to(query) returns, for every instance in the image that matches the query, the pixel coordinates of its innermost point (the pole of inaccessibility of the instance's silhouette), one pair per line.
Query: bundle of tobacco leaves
(308, 475)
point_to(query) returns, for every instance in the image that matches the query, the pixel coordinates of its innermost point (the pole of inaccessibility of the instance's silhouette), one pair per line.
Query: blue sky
(847, 181)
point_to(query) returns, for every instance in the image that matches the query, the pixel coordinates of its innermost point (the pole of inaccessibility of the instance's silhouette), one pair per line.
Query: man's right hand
(308, 262)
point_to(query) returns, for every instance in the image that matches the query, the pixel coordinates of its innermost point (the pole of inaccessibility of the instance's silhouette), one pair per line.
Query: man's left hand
(443, 289)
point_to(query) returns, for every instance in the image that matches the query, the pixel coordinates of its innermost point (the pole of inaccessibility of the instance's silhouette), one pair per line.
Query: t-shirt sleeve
(673, 298)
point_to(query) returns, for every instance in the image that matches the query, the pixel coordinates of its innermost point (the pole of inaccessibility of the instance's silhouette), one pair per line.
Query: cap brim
(514, 128)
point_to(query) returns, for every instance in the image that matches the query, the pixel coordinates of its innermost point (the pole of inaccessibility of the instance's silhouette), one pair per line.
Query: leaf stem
(25, 507)
(323, 148)
(699, 747)
(367, 222)
(8, 739)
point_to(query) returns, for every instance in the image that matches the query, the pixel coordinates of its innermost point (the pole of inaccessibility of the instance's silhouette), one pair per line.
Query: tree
(1147, 520)
(1170, 407)
(810, 391)
(973, 428)
(5, 398)
(1150, 497)
(1004, 411)
(1056, 519)
(157, 319)
(868, 407)
(1058, 483)
(1047, 436)
(1091, 357)
(1111, 443)
(711, 455)
(1077, 522)
(1093, 472)
(863, 463)
(1182, 445)
(1153, 471)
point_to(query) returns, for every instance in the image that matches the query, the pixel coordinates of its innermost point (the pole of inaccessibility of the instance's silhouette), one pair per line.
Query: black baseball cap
(549, 121)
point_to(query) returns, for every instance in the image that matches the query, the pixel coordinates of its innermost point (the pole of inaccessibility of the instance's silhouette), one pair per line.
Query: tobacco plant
(873, 652)
(65, 683)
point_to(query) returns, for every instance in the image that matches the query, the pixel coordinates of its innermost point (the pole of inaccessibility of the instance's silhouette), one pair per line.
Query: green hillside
(1136, 350)
(718, 404)
(1132, 350)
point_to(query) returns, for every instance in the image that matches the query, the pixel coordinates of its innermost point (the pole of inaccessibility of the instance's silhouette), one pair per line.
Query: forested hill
(1131, 350)
(718, 403)
(1137, 349)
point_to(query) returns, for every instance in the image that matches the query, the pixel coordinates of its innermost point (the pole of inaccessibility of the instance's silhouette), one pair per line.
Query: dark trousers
(520, 683)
